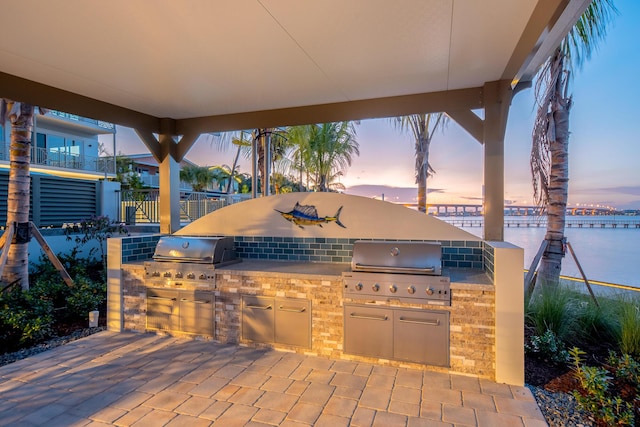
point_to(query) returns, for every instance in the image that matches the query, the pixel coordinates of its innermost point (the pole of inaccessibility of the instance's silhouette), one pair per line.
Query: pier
(453, 209)
(541, 222)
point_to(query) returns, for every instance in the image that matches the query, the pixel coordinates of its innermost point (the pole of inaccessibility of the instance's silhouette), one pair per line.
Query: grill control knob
(359, 287)
(393, 289)
(375, 287)
(411, 290)
(156, 274)
(167, 274)
(202, 276)
(429, 291)
(191, 276)
(179, 275)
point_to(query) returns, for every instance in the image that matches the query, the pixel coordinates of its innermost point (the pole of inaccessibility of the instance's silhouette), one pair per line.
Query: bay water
(606, 254)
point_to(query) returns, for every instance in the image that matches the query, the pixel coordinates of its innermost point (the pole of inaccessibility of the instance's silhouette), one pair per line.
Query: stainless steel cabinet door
(258, 319)
(196, 312)
(368, 331)
(162, 309)
(293, 322)
(421, 336)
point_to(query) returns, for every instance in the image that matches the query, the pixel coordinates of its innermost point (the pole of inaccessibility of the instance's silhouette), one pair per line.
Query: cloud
(634, 190)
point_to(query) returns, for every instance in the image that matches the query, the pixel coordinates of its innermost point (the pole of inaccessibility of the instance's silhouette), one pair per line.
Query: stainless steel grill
(397, 272)
(181, 260)
(406, 271)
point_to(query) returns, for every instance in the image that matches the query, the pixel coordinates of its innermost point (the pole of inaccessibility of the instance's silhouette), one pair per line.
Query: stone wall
(472, 328)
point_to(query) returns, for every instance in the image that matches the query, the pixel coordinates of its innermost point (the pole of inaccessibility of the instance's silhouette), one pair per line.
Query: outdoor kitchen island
(288, 291)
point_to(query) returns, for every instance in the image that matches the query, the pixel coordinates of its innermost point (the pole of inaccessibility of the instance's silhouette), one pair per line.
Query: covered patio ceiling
(182, 68)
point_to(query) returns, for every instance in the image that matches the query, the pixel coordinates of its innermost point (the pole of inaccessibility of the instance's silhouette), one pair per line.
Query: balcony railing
(42, 157)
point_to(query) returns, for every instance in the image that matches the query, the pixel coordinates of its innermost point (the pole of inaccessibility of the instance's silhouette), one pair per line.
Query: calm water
(605, 254)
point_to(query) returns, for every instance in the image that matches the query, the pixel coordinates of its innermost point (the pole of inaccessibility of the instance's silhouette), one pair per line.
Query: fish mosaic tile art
(302, 215)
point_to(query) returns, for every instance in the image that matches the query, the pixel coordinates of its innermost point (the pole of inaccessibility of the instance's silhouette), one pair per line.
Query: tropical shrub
(630, 327)
(547, 346)
(553, 308)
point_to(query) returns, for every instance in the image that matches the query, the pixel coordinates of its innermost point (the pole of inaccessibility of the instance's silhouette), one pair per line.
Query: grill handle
(196, 301)
(162, 298)
(293, 309)
(361, 316)
(259, 307)
(420, 322)
(378, 268)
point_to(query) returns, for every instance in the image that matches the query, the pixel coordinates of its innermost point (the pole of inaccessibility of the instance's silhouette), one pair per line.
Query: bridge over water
(451, 209)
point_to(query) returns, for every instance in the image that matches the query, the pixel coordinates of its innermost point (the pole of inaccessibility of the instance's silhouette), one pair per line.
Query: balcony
(60, 160)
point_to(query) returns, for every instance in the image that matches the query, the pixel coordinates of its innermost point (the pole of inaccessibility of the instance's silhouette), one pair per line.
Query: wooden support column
(497, 99)
(169, 188)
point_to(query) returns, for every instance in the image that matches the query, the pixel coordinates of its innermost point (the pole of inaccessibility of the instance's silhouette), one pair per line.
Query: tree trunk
(18, 204)
(422, 170)
(551, 262)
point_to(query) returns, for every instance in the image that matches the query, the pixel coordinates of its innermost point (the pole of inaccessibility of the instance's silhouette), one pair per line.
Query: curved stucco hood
(362, 217)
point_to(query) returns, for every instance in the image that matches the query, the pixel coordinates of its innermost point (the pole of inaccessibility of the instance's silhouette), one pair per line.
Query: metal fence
(142, 206)
(44, 157)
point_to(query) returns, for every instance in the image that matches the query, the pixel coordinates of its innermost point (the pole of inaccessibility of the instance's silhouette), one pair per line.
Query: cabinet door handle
(196, 301)
(162, 298)
(362, 316)
(430, 322)
(259, 307)
(293, 309)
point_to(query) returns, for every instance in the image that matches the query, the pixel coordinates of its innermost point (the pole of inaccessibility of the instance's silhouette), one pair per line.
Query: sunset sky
(604, 146)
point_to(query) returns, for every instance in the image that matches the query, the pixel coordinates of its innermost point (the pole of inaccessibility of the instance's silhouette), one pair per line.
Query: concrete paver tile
(494, 419)
(209, 387)
(459, 415)
(363, 369)
(431, 410)
(436, 380)
(406, 394)
(320, 377)
(131, 400)
(180, 387)
(495, 389)
(386, 419)
(277, 384)
(108, 414)
(94, 404)
(284, 368)
(68, 420)
(478, 401)
(528, 422)
(229, 371)
(291, 423)
(246, 396)
(409, 378)
(215, 410)
(424, 422)
(376, 398)
(298, 387)
(317, 363)
(237, 415)
(44, 414)
(348, 380)
(464, 383)
(363, 417)
(166, 400)
(522, 393)
(226, 392)
(156, 417)
(282, 402)
(249, 379)
(155, 383)
(348, 392)
(317, 394)
(344, 366)
(327, 420)
(524, 408)
(195, 405)
(340, 406)
(97, 424)
(182, 420)
(270, 358)
(269, 416)
(384, 381)
(385, 370)
(451, 397)
(132, 416)
(304, 413)
(404, 408)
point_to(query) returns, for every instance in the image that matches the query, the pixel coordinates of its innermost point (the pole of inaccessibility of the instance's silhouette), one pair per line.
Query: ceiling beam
(434, 102)
(549, 23)
(37, 94)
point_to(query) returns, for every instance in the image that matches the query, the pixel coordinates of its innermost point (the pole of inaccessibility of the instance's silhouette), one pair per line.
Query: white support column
(169, 195)
(508, 280)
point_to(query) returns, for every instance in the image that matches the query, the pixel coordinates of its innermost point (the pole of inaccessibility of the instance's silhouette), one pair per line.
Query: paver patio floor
(135, 379)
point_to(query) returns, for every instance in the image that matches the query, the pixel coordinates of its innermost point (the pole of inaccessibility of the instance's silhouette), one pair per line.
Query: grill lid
(202, 250)
(397, 257)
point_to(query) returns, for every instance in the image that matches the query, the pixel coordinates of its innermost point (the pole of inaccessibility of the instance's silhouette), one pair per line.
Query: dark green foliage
(28, 317)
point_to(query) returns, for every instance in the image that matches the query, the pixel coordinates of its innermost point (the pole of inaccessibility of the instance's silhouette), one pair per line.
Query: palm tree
(549, 152)
(198, 176)
(279, 145)
(325, 151)
(21, 117)
(422, 126)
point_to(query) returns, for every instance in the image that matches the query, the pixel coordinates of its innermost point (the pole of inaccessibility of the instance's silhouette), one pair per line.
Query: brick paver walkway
(151, 380)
